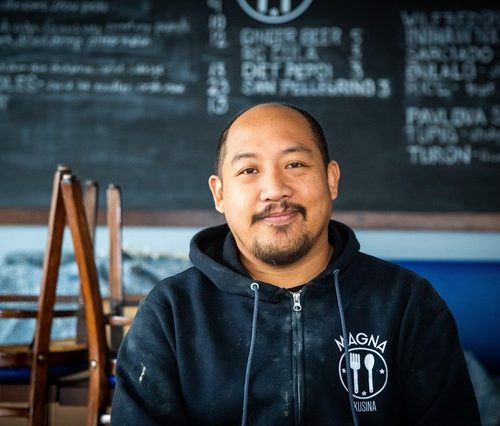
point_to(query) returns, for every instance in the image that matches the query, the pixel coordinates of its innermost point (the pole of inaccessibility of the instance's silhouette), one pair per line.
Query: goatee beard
(278, 256)
(295, 247)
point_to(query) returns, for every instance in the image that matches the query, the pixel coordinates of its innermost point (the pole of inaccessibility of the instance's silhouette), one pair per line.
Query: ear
(215, 184)
(333, 176)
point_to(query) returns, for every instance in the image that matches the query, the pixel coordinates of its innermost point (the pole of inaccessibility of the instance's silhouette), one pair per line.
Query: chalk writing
(101, 84)
(448, 51)
(288, 62)
(449, 54)
(451, 136)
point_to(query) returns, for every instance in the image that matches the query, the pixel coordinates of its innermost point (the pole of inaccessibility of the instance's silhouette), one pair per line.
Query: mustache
(284, 206)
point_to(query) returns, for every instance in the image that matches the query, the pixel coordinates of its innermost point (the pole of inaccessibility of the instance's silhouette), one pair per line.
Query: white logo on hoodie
(369, 372)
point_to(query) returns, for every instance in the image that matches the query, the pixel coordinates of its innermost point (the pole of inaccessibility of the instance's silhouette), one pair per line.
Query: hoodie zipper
(298, 348)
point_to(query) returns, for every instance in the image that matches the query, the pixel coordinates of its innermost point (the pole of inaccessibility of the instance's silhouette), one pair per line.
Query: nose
(275, 186)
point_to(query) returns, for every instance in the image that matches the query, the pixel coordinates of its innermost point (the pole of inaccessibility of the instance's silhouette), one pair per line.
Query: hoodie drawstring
(255, 289)
(346, 348)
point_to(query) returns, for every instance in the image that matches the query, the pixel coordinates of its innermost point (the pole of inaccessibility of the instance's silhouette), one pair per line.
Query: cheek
(315, 192)
(236, 197)
(238, 204)
(317, 200)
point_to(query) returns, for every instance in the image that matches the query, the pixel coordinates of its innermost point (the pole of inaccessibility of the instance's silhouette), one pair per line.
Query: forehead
(267, 125)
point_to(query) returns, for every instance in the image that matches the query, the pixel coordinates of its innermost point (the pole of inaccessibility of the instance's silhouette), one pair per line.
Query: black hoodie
(185, 358)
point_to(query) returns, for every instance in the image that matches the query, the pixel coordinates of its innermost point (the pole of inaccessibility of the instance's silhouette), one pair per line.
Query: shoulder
(398, 281)
(387, 271)
(170, 298)
(181, 285)
(405, 296)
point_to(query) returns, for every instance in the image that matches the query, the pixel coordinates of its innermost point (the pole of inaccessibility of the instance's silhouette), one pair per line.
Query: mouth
(279, 215)
(280, 218)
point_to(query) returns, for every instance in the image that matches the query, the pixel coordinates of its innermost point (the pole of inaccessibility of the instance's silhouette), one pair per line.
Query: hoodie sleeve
(147, 382)
(436, 385)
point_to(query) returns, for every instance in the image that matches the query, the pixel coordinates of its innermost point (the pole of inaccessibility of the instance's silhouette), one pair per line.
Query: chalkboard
(137, 92)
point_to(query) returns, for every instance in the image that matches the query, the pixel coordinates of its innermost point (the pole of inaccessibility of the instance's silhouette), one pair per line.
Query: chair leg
(38, 388)
(94, 315)
(116, 297)
(90, 201)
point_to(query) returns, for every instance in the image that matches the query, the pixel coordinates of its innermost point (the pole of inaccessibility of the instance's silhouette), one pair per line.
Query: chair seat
(65, 357)
(11, 411)
(22, 375)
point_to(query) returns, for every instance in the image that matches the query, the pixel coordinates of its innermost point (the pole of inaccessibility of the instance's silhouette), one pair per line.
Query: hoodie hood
(213, 251)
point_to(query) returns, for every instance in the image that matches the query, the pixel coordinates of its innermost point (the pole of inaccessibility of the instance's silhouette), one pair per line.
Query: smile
(280, 218)
(279, 214)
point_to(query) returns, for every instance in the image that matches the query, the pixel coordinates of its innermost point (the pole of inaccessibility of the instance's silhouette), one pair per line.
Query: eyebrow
(244, 155)
(297, 148)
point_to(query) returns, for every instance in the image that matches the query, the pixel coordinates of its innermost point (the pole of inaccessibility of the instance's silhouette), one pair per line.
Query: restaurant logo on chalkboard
(274, 11)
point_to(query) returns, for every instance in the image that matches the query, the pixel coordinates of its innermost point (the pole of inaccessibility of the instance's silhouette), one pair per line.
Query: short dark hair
(319, 136)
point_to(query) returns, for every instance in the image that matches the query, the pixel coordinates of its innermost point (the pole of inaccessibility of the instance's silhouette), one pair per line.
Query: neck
(299, 272)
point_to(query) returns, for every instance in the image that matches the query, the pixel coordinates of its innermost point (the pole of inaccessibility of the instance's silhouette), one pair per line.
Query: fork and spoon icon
(355, 363)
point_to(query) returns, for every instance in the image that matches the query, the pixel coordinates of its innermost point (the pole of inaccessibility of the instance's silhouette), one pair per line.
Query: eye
(294, 165)
(248, 171)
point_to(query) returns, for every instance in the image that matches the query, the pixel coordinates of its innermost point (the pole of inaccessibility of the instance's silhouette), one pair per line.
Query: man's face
(274, 189)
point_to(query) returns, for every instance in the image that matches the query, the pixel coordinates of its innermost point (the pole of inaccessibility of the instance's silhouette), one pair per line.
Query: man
(282, 320)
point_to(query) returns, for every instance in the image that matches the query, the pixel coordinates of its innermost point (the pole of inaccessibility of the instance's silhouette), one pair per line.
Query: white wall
(394, 244)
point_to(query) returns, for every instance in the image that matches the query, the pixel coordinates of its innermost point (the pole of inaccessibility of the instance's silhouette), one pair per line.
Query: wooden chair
(43, 358)
(115, 320)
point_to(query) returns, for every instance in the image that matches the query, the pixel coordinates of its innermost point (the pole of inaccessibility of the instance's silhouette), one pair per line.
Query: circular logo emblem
(274, 11)
(368, 372)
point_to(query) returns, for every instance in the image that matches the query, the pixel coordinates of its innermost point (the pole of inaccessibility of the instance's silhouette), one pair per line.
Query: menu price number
(218, 88)
(217, 24)
(356, 56)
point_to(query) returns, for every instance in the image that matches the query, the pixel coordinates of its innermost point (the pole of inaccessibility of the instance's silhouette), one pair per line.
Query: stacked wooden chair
(43, 360)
